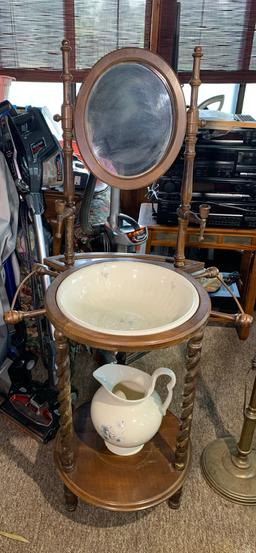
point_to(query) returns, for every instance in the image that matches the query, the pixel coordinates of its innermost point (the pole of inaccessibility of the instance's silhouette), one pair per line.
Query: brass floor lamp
(230, 467)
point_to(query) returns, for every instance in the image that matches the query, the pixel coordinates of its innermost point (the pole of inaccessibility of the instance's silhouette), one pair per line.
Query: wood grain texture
(155, 19)
(56, 262)
(193, 356)
(184, 210)
(120, 483)
(64, 399)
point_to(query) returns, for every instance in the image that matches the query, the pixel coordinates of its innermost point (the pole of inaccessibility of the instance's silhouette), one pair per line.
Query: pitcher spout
(104, 375)
(113, 373)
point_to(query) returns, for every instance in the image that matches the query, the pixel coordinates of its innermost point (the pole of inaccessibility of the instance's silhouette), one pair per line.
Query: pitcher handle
(159, 372)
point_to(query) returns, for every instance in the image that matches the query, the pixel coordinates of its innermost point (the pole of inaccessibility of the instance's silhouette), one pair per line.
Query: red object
(25, 405)
(75, 149)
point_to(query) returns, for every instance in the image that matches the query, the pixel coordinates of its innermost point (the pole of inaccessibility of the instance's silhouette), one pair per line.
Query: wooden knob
(65, 45)
(244, 320)
(57, 118)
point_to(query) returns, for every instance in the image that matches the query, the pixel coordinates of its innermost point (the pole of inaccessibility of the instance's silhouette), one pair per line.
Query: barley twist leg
(70, 499)
(174, 500)
(193, 355)
(64, 399)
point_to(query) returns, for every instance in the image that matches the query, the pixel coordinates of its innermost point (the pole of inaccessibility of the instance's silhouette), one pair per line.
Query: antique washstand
(130, 121)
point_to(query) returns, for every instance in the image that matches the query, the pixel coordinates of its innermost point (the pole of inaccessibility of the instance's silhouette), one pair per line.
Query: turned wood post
(64, 398)
(189, 156)
(193, 355)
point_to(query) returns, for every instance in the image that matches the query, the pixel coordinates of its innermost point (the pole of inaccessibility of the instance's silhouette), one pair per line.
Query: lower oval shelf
(121, 483)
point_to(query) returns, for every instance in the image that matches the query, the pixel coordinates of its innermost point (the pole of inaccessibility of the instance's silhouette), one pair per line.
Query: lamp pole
(230, 467)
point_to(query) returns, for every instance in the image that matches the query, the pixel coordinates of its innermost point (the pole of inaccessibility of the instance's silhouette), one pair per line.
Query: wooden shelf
(120, 483)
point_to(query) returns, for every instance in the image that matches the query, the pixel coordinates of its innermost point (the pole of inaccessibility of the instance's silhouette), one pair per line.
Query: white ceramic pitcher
(127, 424)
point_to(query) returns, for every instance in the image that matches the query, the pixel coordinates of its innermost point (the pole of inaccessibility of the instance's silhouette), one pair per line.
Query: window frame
(161, 35)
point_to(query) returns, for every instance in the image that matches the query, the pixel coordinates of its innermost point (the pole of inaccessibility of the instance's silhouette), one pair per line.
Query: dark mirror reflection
(129, 119)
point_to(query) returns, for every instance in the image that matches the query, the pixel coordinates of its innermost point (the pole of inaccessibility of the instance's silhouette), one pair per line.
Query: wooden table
(214, 238)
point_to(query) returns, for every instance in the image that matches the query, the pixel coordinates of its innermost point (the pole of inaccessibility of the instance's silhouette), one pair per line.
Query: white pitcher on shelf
(126, 410)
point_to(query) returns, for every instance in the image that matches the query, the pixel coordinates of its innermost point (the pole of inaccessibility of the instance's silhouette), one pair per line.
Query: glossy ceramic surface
(127, 424)
(127, 298)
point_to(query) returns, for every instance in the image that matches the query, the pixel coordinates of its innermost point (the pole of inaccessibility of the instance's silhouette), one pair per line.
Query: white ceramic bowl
(128, 298)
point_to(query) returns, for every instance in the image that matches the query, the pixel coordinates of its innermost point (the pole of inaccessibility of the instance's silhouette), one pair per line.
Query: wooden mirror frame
(158, 66)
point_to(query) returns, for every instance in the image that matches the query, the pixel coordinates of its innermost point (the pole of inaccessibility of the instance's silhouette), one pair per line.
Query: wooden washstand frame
(87, 468)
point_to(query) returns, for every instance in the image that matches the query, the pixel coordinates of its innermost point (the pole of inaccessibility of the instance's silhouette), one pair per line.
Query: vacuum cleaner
(119, 233)
(35, 160)
(34, 157)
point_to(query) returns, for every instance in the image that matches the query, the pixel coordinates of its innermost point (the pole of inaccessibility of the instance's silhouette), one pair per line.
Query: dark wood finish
(221, 76)
(130, 201)
(158, 65)
(247, 43)
(175, 500)
(189, 156)
(167, 30)
(57, 262)
(87, 468)
(147, 28)
(246, 268)
(70, 29)
(122, 483)
(70, 499)
(43, 75)
(79, 75)
(155, 18)
(64, 399)
(117, 342)
(193, 356)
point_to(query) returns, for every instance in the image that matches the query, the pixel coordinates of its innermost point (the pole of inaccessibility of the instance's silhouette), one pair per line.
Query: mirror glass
(129, 119)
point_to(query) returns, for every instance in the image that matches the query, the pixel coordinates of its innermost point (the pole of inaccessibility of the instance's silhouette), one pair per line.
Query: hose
(86, 204)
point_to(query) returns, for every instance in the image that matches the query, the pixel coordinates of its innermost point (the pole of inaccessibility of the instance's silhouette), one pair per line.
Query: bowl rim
(117, 342)
(139, 332)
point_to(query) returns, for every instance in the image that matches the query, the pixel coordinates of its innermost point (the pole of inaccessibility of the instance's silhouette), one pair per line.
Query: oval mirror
(130, 118)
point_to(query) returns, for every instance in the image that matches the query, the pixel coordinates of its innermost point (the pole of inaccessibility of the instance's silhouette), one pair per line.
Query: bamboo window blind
(31, 32)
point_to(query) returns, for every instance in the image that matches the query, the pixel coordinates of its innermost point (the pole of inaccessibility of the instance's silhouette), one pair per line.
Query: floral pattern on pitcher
(109, 433)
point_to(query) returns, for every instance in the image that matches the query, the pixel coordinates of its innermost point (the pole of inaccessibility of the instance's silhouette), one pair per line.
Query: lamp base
(225, 476)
